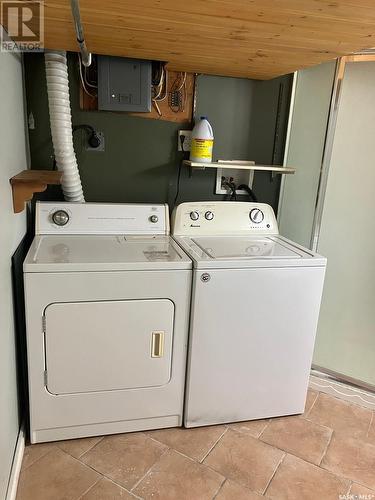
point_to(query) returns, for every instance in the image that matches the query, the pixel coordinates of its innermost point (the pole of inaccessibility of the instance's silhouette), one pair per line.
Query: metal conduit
(85, 54)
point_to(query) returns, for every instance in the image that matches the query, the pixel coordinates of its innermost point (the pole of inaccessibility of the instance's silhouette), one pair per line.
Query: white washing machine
(255, 307)
(107, 310)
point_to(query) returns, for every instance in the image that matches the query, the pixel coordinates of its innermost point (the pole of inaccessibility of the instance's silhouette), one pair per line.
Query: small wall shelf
(28, 182)
(276, 169)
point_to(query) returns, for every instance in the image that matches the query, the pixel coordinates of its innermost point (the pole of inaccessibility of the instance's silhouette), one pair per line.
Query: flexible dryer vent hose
(61, 124)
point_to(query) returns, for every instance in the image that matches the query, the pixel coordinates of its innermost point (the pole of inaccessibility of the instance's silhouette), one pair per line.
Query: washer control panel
(223, 218)
(100, 218)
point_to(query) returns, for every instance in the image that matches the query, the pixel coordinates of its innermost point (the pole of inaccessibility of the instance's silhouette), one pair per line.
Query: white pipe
(61, 124)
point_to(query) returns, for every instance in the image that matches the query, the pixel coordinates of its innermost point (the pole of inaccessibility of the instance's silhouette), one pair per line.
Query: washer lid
(244, 248)
(247, 251)
(57, 253)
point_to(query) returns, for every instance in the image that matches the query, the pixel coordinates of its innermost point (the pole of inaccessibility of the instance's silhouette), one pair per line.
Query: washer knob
(209, 215)
(194, 215)
(60, 217)
(256, 215)
(154, 218)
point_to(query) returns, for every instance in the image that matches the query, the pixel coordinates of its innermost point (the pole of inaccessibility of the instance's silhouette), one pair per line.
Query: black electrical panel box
(124, 84)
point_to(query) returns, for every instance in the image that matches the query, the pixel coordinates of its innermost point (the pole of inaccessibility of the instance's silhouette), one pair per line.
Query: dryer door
(102, 346)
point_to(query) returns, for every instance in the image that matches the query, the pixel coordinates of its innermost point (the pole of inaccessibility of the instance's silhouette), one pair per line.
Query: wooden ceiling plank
(282, 10)
(307, 46)
(204, 64)
(185, 40)
(170, 45)
(205, 11)
(296, 38)
(237, 37)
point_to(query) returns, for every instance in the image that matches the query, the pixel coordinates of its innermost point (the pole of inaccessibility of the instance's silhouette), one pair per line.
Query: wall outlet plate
(187, 141)
(99, 148)
(240, 176)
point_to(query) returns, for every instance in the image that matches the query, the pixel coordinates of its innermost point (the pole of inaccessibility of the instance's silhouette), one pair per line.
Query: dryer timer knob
(256, 215)
(60, 218)
(154, 218)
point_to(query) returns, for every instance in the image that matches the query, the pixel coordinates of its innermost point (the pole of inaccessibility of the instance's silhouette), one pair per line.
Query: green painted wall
(140, 162)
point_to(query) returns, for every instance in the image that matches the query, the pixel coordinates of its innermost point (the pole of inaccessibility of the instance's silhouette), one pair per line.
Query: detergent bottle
(202, 141)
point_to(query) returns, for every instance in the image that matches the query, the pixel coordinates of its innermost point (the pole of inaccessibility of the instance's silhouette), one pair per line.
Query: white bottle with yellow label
(202, 141)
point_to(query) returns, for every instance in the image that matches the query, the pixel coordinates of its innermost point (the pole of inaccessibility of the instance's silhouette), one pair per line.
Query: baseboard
(353, 394)
(16, 466)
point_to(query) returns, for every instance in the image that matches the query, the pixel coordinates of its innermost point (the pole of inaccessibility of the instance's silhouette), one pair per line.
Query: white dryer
(107, 310)
(255, 307)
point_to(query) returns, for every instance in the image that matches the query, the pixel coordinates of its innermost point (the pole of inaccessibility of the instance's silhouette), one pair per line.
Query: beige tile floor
(326, 453)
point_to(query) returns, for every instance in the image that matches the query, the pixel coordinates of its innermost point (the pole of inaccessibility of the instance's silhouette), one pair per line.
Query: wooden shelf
(276, 169)
(28, 182)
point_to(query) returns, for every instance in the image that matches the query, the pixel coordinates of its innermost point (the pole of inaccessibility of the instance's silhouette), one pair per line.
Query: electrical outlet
(101, 147)
(187, 141)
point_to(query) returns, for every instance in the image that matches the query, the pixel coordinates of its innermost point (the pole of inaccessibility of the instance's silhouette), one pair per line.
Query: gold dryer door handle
(157, 344)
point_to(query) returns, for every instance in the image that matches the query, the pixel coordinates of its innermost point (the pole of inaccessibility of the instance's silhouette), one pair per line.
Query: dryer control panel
(100, 218)
(223, 218)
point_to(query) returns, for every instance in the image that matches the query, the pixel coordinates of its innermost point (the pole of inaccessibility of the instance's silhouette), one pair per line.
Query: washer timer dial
(209, 215)
(256, 215)
(194, 215)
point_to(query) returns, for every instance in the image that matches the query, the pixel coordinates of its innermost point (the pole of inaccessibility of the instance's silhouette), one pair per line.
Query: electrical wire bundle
(159, 86)
(177, 94)
(249, 191)
(86, 82)
(231, 187)
(182, 140)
